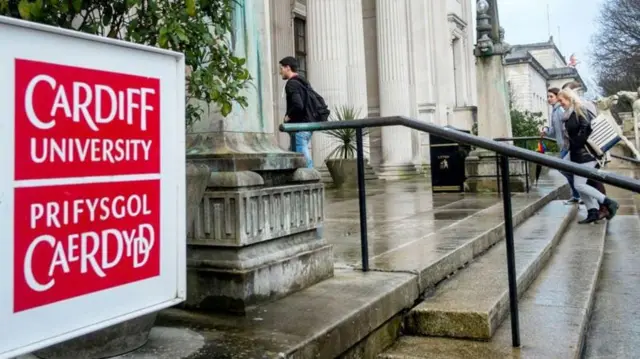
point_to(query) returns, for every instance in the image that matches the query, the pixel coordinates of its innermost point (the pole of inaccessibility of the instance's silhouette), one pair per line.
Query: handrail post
(526, 166)
(498, 173)
(362, 201)
(511, 258)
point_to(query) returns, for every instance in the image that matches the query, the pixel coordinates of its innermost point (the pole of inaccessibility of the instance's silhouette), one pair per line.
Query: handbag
(602, 138)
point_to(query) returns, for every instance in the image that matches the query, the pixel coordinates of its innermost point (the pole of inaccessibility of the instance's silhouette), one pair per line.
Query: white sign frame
(40, 327)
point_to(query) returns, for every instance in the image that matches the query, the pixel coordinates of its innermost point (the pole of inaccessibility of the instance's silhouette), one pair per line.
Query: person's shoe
(573, 201)
(612, 207)
(603, 212)
(592, 217)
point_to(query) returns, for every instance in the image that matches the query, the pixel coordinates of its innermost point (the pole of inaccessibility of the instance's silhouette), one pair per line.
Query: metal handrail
(625, 158)
(613, 179)
(531, 138)
(526, 140)
(504, 150)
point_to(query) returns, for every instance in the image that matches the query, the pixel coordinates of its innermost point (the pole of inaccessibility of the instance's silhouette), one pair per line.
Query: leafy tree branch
(198, 28)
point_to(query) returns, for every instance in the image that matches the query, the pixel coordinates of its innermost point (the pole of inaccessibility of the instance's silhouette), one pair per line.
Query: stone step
(614, 329)
(323, 321)
(436, 256)
(554, 312)
(355, 314)
(473, 303)
(369, 174)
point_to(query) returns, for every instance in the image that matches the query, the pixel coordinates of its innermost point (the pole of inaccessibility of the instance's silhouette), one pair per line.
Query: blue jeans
(574, 192)
(300, 144)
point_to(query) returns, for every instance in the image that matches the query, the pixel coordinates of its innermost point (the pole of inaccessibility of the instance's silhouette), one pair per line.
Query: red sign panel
(77, 122)
(72, 240)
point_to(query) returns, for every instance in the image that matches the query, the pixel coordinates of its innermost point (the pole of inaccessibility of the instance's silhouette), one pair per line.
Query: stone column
(469, 15)
(412, 33)
(252, 40)
(493, 106)
(444, 61)
(327, 60)
(394, 82)
(282, 44)
(494, 119)
(422, 51)
(356, 69)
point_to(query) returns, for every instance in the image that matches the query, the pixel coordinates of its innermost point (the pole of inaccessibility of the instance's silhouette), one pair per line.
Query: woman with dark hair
(555, 129)
(577, 130)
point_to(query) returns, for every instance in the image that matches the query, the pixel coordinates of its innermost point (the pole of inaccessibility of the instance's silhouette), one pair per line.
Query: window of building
(300, 44)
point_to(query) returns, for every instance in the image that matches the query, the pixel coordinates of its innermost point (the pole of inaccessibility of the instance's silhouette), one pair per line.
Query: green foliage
(525, 123)
(198, 28)
(345, 138)
(528, 124)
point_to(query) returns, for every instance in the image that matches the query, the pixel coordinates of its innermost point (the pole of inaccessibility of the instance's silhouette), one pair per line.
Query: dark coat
(578, 130)
(296, 91)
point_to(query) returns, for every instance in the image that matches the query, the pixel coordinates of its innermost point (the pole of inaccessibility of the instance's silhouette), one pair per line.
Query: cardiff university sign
(92, 184)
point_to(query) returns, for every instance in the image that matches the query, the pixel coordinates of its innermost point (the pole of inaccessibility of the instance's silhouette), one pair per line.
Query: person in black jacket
(578, 129)
(296, 94)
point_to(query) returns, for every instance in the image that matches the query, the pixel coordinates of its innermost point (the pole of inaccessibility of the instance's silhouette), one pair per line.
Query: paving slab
(164, 343)
(322, 321)
(473, 303)
(437, 255)
(554, 312)
(615, 324)
(400, 213)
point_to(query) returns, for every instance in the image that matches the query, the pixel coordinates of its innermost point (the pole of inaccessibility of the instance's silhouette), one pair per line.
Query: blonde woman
(577, 131)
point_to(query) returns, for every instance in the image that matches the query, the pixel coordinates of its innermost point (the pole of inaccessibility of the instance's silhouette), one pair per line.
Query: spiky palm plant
(345, 139)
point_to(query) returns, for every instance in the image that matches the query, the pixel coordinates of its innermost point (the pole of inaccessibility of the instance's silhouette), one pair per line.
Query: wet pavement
(615, 324)
(398, 213)
(404, 216)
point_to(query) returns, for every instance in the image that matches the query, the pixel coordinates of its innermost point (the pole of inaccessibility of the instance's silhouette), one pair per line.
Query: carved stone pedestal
(481, 167)
(256, 234)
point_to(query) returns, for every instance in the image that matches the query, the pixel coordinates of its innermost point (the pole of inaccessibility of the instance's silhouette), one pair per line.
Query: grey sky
(525, 21)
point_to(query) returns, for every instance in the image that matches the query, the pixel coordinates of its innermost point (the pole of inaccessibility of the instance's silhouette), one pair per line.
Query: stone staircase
(560, 274)
(474, 302)
(554, 311)
(360, 315)
(369, 173)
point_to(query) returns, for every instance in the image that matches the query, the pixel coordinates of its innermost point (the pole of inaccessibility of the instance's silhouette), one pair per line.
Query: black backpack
(316, 107)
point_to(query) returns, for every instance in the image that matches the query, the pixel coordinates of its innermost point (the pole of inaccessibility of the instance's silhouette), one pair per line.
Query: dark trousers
(597, 185)
(600, 187)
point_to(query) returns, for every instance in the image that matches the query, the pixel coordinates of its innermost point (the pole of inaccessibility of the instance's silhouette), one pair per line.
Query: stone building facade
(533, 68)
(382, 57)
